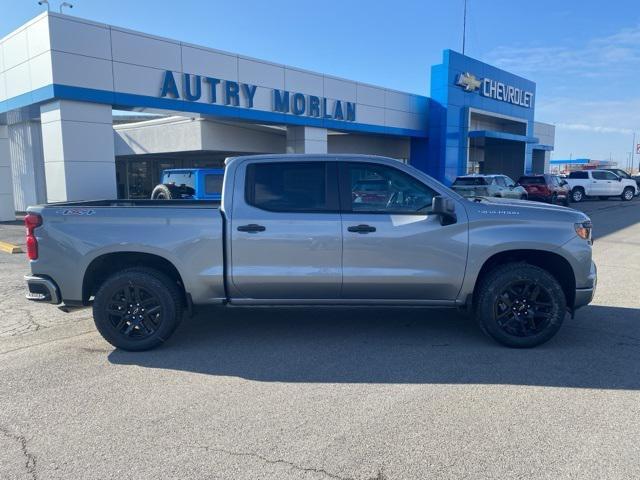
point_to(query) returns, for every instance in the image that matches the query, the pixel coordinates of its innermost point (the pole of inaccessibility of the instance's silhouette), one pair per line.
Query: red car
(546, 188)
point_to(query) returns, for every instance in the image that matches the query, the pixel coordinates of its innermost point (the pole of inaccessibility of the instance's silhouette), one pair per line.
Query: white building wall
(185, 134)
(79, 160)
(27, 161)
(71, 51)
(306, 140)
(6, 187)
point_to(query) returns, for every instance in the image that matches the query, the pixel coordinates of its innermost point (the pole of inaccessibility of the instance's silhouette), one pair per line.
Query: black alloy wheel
(135, 312)
(523, 308)
(137, 308)
(520, 305)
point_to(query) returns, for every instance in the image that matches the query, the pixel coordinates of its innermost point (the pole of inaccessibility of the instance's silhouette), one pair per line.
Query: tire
(628, 194)
(125, 330)
(602, 197)
(577, 195)
(524, 197)
(526, 326)
(567, 201)
(162, 192)
(554, 199)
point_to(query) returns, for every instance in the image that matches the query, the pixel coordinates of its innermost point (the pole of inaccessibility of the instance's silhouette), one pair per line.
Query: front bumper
(584, 296)
(41, 289)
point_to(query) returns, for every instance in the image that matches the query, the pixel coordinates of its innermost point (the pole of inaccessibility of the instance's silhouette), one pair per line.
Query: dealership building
(64, 82)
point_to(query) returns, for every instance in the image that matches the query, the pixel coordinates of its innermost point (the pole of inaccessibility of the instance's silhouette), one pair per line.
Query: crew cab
(189, 184)
(297, 230)
(600, 183)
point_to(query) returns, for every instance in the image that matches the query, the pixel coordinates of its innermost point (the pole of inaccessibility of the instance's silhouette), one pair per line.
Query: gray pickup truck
(313, 230)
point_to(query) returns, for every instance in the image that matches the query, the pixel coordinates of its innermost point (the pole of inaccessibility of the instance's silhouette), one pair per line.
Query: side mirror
(563, 183)
(619, 179)
(445, 208)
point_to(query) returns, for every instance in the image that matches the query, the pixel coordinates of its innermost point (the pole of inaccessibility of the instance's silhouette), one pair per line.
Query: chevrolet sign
(496, 90)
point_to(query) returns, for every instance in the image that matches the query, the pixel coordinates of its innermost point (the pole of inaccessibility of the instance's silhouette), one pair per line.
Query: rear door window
(292, 186)
(579, 175)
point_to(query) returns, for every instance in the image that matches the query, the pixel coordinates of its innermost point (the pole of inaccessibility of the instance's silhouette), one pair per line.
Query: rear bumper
(41, 289)
(584, 296)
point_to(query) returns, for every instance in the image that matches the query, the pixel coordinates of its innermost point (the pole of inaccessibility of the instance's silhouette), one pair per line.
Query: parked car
(190, 184)
(624, 174)
(289, 232)
(546, 188)
(600, 183)
(488, 186)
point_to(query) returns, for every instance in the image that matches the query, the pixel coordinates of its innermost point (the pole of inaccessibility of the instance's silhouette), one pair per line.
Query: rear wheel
(577, 195)
(554, 199)
(137, 309)
(520, 305)
(627, 194)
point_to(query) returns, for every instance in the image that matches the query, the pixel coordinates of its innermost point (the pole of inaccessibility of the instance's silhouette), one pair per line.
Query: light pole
(45, 2)
(65, 4)
(633, 153)
(464, 27)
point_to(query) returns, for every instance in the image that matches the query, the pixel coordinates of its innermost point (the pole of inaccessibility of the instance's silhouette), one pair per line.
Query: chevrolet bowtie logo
(468, 81)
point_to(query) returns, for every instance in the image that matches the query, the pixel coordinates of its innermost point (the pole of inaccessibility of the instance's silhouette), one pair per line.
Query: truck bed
(139, 203)
(75, 237)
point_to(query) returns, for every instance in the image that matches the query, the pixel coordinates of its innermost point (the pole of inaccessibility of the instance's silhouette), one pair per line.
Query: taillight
(31, 221)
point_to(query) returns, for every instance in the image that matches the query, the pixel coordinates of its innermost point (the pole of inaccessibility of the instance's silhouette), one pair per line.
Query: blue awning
(502, 136)
(574, 161)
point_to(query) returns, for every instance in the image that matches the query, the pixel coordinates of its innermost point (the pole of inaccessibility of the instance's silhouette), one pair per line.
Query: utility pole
(633, 153)
(464, 27)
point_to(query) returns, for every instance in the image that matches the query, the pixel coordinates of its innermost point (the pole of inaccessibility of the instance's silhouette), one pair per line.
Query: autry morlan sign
(235, 94)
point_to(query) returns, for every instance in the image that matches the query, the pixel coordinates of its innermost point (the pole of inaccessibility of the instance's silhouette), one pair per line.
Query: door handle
(251, 228)
(361, 228)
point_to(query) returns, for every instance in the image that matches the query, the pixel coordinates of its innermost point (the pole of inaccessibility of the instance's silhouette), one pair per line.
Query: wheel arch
(105, 265)
(554, 263)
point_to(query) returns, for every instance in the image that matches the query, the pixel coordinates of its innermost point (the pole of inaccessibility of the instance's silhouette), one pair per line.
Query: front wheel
(627, 194)
(137, 309)
(520, 305)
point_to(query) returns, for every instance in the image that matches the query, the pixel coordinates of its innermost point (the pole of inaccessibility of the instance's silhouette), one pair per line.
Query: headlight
(584, 229)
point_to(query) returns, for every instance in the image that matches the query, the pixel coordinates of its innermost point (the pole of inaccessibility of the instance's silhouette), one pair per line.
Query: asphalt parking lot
(326, 393)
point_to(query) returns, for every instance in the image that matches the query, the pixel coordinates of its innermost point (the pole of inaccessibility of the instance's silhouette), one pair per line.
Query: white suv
(600, 183)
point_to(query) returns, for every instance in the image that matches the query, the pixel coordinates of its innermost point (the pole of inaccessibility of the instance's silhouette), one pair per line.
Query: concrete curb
(10, 248)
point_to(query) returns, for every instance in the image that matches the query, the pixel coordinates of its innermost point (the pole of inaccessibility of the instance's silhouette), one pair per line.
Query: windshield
(179, 178)
(469, 181)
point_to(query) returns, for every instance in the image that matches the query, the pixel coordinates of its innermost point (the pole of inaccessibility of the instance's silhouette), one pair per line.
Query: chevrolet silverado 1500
(313, 230)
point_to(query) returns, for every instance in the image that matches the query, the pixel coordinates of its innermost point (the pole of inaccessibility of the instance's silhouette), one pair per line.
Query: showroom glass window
(377, 188)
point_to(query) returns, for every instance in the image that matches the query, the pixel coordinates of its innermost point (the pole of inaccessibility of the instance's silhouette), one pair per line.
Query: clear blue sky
(584, 55)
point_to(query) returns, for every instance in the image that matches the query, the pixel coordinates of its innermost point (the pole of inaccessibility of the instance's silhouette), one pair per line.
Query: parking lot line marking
(10, 248)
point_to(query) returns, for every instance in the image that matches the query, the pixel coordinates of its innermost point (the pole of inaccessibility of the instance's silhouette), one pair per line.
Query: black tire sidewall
(157, 284)
(495, 283)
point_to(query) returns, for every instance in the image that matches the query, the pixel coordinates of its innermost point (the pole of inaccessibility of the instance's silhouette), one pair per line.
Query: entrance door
(286, 241)
(392, 248)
